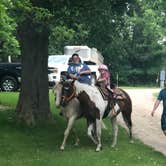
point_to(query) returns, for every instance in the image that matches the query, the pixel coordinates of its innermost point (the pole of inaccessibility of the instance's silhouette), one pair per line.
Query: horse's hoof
(62, 148)
(113, 145)
(76, 144)
(131, 141)
(98, 149)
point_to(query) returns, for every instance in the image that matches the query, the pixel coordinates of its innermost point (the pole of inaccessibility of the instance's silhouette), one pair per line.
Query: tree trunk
(33, 104)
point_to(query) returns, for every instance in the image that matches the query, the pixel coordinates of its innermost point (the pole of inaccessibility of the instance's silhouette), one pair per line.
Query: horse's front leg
(67, 131)
(98, 134)
(115, 130)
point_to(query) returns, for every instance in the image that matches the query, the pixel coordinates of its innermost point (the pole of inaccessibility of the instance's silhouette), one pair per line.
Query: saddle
(104, 92)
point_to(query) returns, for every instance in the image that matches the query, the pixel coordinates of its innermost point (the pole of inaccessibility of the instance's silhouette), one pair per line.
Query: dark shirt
(73, 69)
(162, 96)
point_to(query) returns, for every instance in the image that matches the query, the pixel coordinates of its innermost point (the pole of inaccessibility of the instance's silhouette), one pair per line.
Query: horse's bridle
(69, 98)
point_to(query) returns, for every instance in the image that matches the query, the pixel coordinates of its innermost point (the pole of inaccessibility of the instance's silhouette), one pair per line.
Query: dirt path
(145, 127)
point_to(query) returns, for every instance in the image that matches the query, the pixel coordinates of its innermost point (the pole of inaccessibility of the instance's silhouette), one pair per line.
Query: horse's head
(57, 90)
(68, 92)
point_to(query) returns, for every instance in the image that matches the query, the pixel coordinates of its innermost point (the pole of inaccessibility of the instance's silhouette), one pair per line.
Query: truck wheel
(8, 83)
(93, 79)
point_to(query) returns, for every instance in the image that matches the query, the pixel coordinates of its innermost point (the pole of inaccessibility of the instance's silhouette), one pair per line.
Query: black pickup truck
(10, 76)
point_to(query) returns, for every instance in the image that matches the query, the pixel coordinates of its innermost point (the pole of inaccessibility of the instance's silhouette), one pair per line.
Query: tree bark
(33, 104)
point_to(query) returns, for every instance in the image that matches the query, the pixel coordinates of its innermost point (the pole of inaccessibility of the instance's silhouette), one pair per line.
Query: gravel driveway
(145, 127)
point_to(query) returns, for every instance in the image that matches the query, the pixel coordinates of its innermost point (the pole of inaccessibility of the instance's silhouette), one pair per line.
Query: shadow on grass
(48, 136)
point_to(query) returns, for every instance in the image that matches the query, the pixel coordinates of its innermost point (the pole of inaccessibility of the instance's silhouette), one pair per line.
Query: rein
(66, 98)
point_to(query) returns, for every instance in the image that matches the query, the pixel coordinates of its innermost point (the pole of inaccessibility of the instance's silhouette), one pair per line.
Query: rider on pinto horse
(79, 71)
(105, 84)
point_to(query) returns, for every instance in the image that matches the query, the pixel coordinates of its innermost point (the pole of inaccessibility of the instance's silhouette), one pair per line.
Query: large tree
(33, 31)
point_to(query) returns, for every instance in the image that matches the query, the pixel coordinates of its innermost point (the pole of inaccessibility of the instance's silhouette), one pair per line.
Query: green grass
(39, 146)
(9, 99)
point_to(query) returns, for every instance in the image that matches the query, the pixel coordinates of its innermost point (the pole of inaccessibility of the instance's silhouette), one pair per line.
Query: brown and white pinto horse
(93, 107)
(70, 109)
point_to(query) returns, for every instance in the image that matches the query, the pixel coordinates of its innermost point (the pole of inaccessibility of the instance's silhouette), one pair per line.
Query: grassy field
(39, 146)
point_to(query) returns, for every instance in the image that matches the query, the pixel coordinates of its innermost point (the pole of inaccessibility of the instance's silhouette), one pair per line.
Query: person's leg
(163, 123)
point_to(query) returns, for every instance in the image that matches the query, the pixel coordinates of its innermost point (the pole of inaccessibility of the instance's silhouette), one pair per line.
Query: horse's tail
(127, 110)
(126, 114)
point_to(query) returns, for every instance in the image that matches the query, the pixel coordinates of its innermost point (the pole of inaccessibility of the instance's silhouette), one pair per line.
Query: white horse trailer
(87, 54)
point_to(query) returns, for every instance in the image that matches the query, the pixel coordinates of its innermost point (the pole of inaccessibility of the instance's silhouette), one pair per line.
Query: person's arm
(156, 104)
(104, 78)
(69, 72)
(86, 70)
(73, 76)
